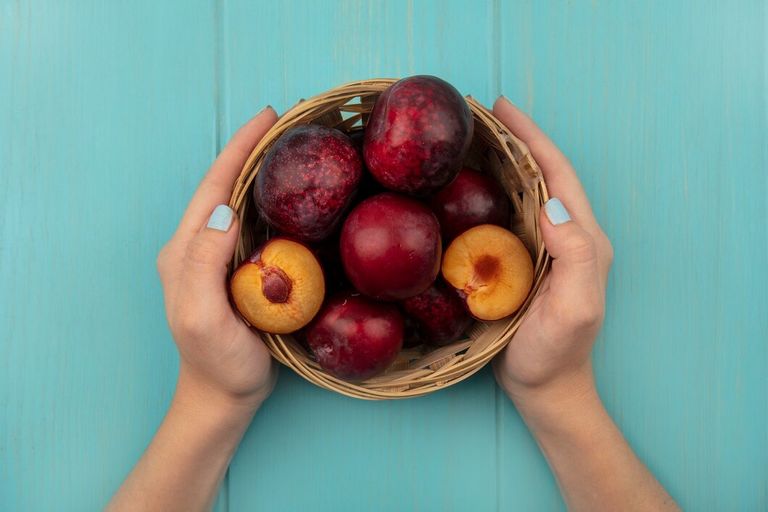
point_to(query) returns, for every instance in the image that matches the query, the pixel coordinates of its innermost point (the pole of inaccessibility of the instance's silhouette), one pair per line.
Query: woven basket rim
(330, 108)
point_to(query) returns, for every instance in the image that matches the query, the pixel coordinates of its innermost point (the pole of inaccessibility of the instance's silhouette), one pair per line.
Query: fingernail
(268, 107)
(556, 212)
(221, 218)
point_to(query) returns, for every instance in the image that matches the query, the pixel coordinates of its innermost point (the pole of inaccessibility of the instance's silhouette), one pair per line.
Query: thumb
(207, 256)
(574, 280)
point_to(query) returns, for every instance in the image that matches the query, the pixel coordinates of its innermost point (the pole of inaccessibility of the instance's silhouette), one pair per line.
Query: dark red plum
(412, 337)
(368, 185)
(418, 134)
(357, 137)
(468, 201)
(327, 253)
(354, 337)
(307, 180)
(439, 314)
(390, 247)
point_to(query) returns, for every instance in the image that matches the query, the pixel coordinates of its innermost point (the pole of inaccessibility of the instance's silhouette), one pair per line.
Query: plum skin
(354, 337)
(439, 313)
(418, 135)
(307, 180)
(391, 247)
(468, 201)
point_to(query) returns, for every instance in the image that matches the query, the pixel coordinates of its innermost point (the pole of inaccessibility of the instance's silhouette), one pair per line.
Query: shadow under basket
(419, 370)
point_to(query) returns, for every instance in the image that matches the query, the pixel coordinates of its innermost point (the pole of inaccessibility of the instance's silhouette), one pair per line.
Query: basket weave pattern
(418, 370)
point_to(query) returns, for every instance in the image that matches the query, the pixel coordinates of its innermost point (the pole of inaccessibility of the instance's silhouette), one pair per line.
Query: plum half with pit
(491, 268)
(418, 134)
(307, 180)
(280, 287)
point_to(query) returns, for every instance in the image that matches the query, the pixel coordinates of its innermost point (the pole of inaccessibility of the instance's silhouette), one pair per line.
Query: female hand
(553, 344)
(546, 368)
(226, 372)
(218, 351)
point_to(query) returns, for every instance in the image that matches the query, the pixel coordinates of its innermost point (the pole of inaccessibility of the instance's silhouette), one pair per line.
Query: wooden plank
(309, 449)
(106, 125)
(109, 114)
(661, 107)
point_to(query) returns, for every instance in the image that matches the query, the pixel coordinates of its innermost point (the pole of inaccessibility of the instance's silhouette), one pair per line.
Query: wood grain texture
(666, 124)
(107, 121)
(109, 115)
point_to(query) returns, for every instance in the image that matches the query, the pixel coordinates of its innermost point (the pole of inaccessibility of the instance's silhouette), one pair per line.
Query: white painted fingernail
(221, 218)
(556, 212)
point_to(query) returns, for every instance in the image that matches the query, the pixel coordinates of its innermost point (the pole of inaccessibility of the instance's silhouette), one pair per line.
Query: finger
(216, 186)
(559, 175)
(576, 288)
(204, 267)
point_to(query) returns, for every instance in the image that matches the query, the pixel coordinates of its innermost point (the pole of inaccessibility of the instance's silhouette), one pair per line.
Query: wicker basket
(419, 370)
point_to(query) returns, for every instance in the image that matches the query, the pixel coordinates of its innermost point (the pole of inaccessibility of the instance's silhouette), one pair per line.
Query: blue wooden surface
(110, 113)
